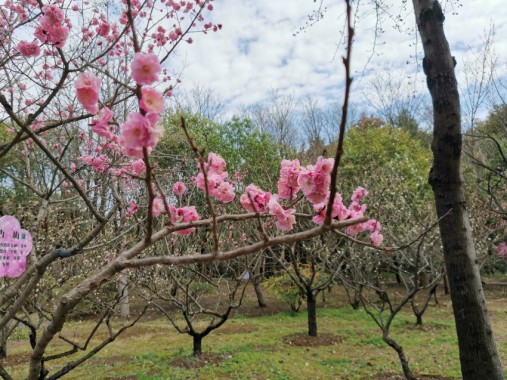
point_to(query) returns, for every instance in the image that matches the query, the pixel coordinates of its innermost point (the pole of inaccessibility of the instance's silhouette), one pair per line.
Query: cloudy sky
(257, 51)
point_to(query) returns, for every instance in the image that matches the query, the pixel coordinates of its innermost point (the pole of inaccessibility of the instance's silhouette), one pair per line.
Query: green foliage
(377, 153)
(284, 287)
(247, 151)
(199, 288)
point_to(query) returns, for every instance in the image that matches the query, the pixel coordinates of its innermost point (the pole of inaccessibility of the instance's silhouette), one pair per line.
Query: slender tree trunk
(401, 355)
(123, 294)
(3, 343)
(258, 292)
(311, 306)
(478, 354)
(197, 345)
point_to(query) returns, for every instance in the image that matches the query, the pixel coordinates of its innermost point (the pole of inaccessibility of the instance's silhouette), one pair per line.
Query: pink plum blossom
(132, 208)
(145, 68)
(179, 188)
(254, 199)
(157, 207)
(373, 225)
(216, 162)
(184, 215)
(87, 88)
(100, 124)
(355, 229)
(285, 218)
(224, 192)
(501, 250)
(314, 180)
(288, 183)
(215, 179)
(212, 178)
(376, 238)
(359, 194)
(339, 211)
(139, 132)
(51, 29)
(28, 49)
(151, 100)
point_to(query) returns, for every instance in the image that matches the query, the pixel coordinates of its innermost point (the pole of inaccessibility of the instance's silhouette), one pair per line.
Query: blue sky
(257, 52)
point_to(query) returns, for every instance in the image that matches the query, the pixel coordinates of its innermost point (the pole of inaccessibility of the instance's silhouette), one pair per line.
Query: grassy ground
(265, 346)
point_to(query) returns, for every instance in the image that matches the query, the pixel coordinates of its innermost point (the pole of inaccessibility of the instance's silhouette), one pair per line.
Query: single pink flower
(132, 208)
(216, 162)
(151, 100)
(376, 238)
(254, 199)
(138, 167)
(285, 218)
(355, 229)
(145, 68)
(139, 132)
(103, 29)
(179, 188)
(28, 49)
(157, 207)
(184, 215)
(87, 88)
(339, 211)
(100, 124)
(224, 192)
(373, 225)
(359, 194)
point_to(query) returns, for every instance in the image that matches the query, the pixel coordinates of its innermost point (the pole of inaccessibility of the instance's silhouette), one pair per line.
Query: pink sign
(15, 245)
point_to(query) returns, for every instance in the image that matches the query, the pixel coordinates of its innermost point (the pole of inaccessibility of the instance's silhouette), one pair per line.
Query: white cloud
(256, 51)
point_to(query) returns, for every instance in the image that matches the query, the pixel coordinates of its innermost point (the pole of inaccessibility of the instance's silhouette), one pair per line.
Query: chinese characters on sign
(15, 245)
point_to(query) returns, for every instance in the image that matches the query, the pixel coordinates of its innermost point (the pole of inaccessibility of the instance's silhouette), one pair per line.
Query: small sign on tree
(15, 245)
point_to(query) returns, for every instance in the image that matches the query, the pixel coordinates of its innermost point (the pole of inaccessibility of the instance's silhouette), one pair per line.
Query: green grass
(255, 349)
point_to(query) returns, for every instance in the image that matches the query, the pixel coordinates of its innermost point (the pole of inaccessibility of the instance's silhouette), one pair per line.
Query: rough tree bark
(478, 354)
(311, 306)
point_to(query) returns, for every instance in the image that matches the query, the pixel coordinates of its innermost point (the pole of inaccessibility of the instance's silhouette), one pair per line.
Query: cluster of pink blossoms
(288, 183)
(501, 250)
(313, 181)
(255, 199)
(142, 129)
(355, 210)
(184, 214)
(51, 28)
(218, 187)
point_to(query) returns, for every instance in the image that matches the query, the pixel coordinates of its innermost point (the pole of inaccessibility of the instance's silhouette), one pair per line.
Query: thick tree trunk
(311, 306)
(478, 354)
(197, 344)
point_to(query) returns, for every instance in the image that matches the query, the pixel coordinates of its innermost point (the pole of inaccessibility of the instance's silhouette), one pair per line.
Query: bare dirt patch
(305, 340)
(16, 359)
